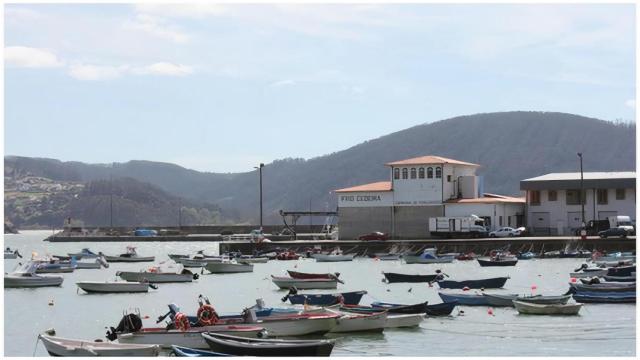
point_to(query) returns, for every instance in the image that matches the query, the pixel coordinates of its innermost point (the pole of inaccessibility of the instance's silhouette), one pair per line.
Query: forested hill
(510, 146)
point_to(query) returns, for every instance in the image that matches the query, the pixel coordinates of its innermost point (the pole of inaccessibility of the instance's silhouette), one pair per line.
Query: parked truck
(457, 226)
(594, 227)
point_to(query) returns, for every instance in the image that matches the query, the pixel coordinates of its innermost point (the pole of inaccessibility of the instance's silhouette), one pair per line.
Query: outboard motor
(582, 267)
(292, 291)
(249, 316)
(103, 262)
(128, 324)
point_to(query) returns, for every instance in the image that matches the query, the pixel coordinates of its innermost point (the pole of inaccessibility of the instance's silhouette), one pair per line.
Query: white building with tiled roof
(421, 188)
(553, 200)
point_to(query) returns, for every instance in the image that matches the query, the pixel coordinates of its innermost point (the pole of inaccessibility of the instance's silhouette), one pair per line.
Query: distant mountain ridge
(510, 146)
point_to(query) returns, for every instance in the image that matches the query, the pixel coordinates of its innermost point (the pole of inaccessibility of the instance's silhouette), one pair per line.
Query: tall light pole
(111, 199)
(582, 190)
(260, 172)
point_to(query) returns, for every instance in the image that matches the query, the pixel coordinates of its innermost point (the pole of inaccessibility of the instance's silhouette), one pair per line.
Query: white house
(420, 188)
(553, 200)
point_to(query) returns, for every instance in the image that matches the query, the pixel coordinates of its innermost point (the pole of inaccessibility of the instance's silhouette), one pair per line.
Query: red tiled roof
(376, 186)
(429, 159)
(489, 199)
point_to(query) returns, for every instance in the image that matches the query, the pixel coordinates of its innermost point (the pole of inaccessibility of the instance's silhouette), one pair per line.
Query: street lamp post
(582, 190)
(260, 172)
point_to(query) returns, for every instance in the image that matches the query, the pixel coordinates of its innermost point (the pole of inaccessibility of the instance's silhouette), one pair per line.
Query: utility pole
(582, 190)
(260, 172)
(111, 199)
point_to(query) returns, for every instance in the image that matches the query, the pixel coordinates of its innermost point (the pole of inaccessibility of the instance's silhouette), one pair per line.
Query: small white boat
(589, 273)
(96, 264)
(191, 338)
(85, 253)
(130, 256)
(333, 256)
(287, 282)
(57, 346)
(386, 256)
(113, 286)
(551, 309)
(351, 322)
(227, 267)
(25, 276)
(157, 274)
(253, 260)
(403, 320)
(198, 260)
(428, 256)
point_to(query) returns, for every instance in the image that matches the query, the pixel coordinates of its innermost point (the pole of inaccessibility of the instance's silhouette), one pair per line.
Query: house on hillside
(553, 200)
(421, 188)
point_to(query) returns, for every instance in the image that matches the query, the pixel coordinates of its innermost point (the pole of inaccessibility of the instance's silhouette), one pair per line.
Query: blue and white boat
(428, 256)
(347, 298)
(84, 253)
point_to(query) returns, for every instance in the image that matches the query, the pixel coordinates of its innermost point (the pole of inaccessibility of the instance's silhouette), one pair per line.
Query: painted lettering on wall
(360, 198)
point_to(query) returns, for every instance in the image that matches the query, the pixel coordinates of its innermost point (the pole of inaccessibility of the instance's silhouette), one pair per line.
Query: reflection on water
(599, 330)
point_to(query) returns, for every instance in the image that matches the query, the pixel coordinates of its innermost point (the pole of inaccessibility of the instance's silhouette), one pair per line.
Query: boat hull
(10, 256)
(412, 259)
(420, 308)
(285, 325)
(360, 322)
(30, 282)
(605, 298)
(407, 278)
(154, 277)
(301, 275)
(180, 351)
(403, 320)
(349, 298)
(113, 287)
(332, 258)
(500, 300)
(586, 274)
(493, 283)
(622, 271)
(226, 268)
(605, 287)
(190, 338)
(300, 348)
(464, 299)
(67, 347)
(537, 309)
(286, 283)
(544, 300)
(443, 309)
(484, 262)
(130, 259)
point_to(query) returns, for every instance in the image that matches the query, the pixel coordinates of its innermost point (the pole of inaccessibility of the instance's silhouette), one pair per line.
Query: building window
(421, 173)
(413, 173)
(500, 221)
(603, 198)
(509, 221)
(405, 173)
(429, 173)
(438, 173)
(448, 178)
(573, 197)
(396, 173)
(553, 195)
(619, 194)
(534, 197)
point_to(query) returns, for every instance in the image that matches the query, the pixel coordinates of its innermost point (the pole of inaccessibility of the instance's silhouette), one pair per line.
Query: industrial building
(418, 189)
(553, 200)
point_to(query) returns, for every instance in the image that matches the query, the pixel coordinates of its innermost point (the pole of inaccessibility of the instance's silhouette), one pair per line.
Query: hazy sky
(225, 87)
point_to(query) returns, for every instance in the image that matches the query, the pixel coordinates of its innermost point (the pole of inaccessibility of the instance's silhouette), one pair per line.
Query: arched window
(429, 173)
(421, 173)
(396, 173)
(438, 173)
(413, 173)
(405, 173)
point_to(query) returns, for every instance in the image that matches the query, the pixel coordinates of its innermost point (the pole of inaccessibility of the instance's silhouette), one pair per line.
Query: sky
(224, 87)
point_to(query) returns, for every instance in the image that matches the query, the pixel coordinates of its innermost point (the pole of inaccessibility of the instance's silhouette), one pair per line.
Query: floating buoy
(51, 302)
(573, 280)
(410, 289)
(466, 288)
(146, 317)
(388, 290)
(490, 311)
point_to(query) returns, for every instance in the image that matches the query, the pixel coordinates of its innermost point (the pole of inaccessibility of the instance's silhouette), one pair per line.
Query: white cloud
(192, 10)
(281, 83)
(96, 72)
(22, 56)
(630, 103)
(164, 68)
(157, 27)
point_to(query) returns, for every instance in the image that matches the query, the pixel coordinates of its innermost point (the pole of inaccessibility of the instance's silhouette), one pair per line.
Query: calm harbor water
(599, 330)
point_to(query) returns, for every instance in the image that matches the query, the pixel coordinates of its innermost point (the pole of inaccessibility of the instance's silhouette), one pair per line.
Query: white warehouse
(421, 188)
(553, 202)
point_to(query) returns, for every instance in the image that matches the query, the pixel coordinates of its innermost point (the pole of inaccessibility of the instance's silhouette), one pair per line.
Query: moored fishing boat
(53, 266)
(620, 278)
(604, 298)
(182, 351)
(333, 256)
(492, 283)
(252, 259)
(158, 274)
(386, 256)
(350, 322)
(408, 278)
(442, 309)
(287, 282)
(428, 256)
(347, 298)
(605, 287)
(57, 346)
(85, 253)
(403, 320)
(226, 267)
(113, 286)
(130, 256)
(287, 255)
(25, 276)
(267, 347)
(188, 338)
(464, 299)
(11, 254)
(544, 299)
(500, 299)
(301, 275)
(419, 308)
(528, 255)
(621, 271)
(548, 309)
